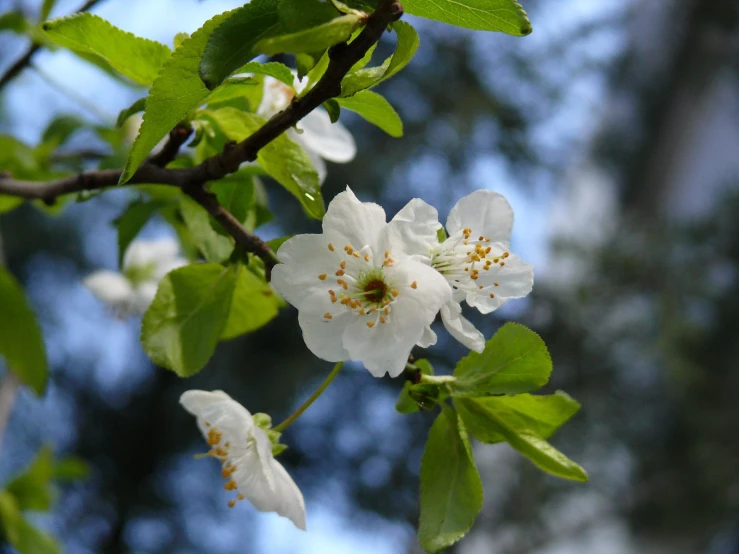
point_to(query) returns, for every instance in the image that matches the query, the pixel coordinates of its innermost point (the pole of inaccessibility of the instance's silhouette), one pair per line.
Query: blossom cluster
(368, 290)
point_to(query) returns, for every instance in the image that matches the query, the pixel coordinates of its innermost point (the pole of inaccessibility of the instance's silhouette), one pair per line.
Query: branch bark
(192, 180)
(25, 60)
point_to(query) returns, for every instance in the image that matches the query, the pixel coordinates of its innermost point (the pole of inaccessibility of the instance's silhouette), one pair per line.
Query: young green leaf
(134, 108)
(175, 92)
(451, 490)
(274, 69)
(230, 44)
(254, 305)
(487, 423)
(20, 336)
(10, 517)
(70, 468)
(137, 58)
(515, 360)
(215, 247)
(314, 39)
(19, 159)
(284, 160)
(375, 109)
(13, 21)
(182, 327)
(506, 16)
(32, 488)
(333, 109)
(408, 42)
(31, 540)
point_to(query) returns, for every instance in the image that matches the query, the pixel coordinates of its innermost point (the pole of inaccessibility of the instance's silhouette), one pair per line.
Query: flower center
(220, 450)
(362, 287)
(462, 257)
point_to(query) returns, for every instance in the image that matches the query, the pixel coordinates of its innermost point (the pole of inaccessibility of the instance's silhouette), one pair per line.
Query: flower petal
(460, 328)
(217, 409)
(428, 338)
(324, 337)
(331, 141)
(145, 252)
(110, 287)
(486, 212)
(360, 223)
(413, 230)
(317, 161)
(291, 504)
(514, 280)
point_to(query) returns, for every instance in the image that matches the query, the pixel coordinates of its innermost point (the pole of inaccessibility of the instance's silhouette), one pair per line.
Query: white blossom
(245, 452)
(358, 293)
(144, 264)
(475, 259)
(321, 139)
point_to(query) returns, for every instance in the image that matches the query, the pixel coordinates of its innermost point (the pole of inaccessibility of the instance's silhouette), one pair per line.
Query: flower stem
(305, 405)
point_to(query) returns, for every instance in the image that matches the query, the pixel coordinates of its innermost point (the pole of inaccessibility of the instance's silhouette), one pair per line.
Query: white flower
(475, 260)
(321, 139)
(245, 451)
(144, 264)
(358, 293)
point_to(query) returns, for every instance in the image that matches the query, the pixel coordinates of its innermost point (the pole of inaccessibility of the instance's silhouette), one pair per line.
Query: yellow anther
(322, 276)
(214, 437)
(502, 264)
(382, 319)
(230, 485)
(394, 292)
(488, 249)
(487, 239)
(356, 255)
(331, 247)
(342, 265)
(414, 285)
(327, 315)
(370, 324)
(231, 503)
(481, 238)
(387, 253)
(339, 272)
(373, 309)
(362, 311)
(496, 284)
(506, 254)
(241, 496)
(348, 249)
(492, 295)
(366, 257)
(496, 260)
(386, 311)
(481, 287)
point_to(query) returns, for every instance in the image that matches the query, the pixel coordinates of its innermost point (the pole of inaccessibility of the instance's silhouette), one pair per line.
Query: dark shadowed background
(614, 131)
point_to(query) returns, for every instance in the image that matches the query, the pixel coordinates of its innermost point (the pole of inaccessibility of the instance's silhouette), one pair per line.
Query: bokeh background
(614, 131)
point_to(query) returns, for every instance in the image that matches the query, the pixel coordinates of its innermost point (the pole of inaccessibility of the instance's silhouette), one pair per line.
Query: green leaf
(405, 404)
(32, 488)
(131, 221)
(10, 517)
(32, 540)
(19, 159)
(408, 42)
(506, 16)
(333, 109)
(254, 305)
(236, 194)
(134, 108)
(137, 58)
(284, 160)
(60, 129)
(46, 8)
(274, 69)
(314, 39)
(298, 15)
(182, 327)
(20, 336)
(486, 423)
(451, 490)
(515, 360)
(176, 91)
(71, 468)
(13, 21)
(215, 247)
(375, 109)
(230, 44)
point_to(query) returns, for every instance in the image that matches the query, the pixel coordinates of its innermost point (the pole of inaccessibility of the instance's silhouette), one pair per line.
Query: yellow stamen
(331, 247)
(414, 285)
(370, 324)
(322, 276)
(327, 315)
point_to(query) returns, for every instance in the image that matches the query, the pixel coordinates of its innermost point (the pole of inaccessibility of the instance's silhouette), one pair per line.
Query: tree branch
(25, 60)
(192, 180)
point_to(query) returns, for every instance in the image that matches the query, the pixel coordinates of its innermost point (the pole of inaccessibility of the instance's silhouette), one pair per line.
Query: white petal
(515, 280)
(486, 212)
(324, 337)
(331, 141)
(460, 328)
(110, 287)
(218, 410)
(167, 265)
(143, 296)
(384, 348)
(413, 230)
(291, 505)
(145, 252)
(304, 258)
(360, 223)
(276, 97)
(428, 338)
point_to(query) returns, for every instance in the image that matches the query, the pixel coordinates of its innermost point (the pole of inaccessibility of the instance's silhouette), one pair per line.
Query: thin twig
(25, 60)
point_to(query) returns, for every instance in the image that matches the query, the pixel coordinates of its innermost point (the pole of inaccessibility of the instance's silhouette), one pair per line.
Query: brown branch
(25, 60)
(192, 180)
